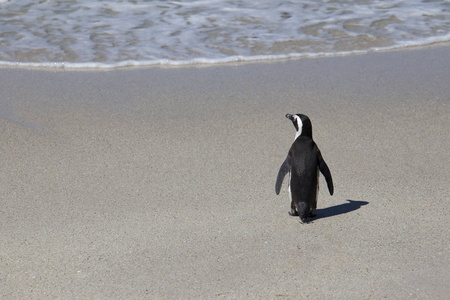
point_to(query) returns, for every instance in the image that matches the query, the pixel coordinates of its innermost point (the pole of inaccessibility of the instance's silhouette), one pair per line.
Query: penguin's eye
(295, 121)
(298, 124)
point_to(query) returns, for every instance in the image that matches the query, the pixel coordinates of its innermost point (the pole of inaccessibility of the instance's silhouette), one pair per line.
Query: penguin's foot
(312, 214)
(293, 213)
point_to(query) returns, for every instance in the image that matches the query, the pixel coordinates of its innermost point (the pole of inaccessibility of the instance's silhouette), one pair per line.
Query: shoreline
(233, 61)
(159, 182)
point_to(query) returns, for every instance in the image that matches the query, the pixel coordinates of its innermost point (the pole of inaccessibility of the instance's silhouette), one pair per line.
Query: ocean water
(118, 33)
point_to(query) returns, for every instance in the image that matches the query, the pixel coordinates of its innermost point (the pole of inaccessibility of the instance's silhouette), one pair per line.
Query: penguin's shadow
(339, 209)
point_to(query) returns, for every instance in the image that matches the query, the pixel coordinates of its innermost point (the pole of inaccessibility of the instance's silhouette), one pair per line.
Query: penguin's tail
(303, 211)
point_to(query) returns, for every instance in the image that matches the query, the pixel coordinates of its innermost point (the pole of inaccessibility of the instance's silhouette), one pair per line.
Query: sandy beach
(158, 183)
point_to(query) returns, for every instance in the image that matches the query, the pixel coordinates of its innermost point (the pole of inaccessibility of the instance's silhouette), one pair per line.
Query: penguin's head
(302, 125)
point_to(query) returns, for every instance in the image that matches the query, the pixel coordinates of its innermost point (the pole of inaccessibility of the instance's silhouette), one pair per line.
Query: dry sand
(159, 183)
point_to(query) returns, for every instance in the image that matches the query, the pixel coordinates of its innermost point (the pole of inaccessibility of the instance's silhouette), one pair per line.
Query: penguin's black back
(303, 155)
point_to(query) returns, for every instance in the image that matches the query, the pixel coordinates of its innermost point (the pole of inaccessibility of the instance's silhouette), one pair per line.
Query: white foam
(113, 34)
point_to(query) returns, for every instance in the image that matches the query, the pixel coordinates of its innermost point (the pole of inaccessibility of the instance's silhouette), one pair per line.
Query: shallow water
(103, 34)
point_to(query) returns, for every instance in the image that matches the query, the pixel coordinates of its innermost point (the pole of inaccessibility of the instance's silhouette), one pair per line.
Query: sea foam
(111, 34)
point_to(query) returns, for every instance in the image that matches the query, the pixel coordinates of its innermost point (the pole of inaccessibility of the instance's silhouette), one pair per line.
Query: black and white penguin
(303, 163)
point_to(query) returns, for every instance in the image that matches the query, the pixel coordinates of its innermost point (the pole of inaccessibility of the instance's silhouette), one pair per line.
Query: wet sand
(159, 183)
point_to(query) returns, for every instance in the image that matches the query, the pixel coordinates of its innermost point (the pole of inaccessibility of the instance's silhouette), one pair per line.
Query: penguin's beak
(289, 116)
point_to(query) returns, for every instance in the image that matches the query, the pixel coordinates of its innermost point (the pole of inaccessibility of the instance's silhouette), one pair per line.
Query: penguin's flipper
(326, 172)
(284, 169)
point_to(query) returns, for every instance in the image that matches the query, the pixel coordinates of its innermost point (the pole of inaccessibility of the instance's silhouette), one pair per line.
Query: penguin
(303, 163)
